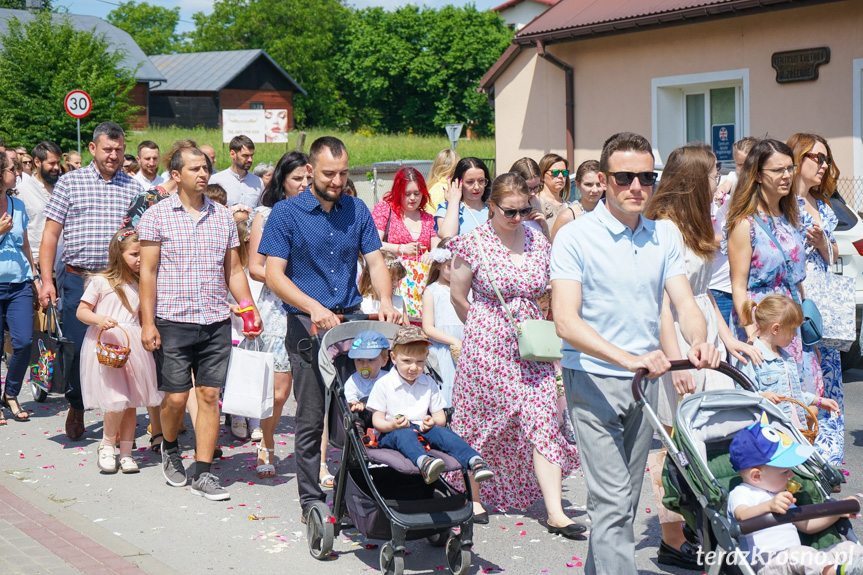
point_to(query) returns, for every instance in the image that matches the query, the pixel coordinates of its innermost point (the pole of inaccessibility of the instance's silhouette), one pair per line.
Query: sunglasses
(556, 173)
(625, 178)
(510, 214)
(819, 158)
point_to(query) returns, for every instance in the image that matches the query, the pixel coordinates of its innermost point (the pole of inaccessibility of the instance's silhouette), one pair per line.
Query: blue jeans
(16, 311)
(405, 441)
(724, 303)
(73, 289)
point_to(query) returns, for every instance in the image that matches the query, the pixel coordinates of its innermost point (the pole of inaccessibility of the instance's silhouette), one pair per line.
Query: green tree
(22, 4)
(152, 27)
(302, 36)
(419, 68)
(42, 61)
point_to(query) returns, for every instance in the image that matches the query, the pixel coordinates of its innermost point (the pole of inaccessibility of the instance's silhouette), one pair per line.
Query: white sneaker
(239, 429)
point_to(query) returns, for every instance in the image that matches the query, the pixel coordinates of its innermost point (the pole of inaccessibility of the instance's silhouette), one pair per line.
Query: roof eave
(502, 63)
(658, 21)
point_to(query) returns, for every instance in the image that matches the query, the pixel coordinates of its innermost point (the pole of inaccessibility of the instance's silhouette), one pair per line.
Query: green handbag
(537, 338)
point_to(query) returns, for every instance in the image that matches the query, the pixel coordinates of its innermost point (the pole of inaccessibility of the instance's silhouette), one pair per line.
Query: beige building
(677, 71)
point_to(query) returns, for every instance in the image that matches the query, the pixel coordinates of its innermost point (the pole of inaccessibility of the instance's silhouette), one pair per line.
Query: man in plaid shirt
(86, 207)
(189, 258)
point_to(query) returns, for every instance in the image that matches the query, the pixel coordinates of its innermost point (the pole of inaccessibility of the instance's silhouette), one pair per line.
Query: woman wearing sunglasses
(815, 181)
(528, 169)
(506, 407)
(592, 190)
(682, 198)
(765, 197)
(555, 187)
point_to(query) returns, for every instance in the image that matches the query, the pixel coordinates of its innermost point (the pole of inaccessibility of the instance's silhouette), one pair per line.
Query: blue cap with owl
(763, 444)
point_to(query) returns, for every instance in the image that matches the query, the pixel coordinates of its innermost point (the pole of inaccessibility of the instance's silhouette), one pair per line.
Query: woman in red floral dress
(505, 407)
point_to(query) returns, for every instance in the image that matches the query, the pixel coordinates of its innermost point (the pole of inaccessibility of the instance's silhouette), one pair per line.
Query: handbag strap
(792, 288)
(491, 280)
(387, 229)
(11, 206)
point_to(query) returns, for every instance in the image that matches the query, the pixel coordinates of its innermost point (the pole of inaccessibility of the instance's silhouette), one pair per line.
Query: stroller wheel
(320, 530)
(39, 394)
(439, 539)
(457, 558)
(391, 564)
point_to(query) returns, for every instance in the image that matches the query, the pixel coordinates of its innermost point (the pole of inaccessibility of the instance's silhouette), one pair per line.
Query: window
(256, 105)
(688, 108)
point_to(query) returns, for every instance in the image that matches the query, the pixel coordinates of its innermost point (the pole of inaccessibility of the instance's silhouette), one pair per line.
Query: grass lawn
(363, 149)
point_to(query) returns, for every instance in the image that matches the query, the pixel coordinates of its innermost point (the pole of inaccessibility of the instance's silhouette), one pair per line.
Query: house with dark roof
(133, 57)
(200, 85)
(678, 71)
(518, 13)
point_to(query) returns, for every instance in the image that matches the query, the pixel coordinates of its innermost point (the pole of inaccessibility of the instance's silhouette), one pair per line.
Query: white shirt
(246, 191)
(149, 184)
(35, 197)
(370, 305)
(393, 396)
(767, 540)
(358, 387)
(721, 280)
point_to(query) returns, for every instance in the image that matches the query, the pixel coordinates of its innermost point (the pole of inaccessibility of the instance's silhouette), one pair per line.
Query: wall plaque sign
(799, 65)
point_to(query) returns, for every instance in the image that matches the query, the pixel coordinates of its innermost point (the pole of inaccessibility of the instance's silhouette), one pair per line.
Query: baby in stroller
(765, 458)
(408, 411)
(370, 351)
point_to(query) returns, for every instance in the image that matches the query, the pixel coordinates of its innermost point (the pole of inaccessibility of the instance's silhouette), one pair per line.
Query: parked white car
(849, 239)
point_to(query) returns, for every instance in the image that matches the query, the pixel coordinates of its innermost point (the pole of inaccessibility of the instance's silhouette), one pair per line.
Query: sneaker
(481, 471)
(207, 485)
(107, 462)
(853, 567)
(239, 429)
(257, 435)
(431, 469)
(172, 468)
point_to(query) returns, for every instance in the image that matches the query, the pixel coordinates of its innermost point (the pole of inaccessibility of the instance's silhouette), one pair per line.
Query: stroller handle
(348, 317)
(802, 513)
(680, 364)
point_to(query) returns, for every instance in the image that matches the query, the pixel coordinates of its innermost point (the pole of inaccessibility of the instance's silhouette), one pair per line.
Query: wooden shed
(201, 84)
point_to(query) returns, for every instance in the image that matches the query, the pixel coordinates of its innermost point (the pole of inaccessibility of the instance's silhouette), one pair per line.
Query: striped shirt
(90, 209)
(191, 285)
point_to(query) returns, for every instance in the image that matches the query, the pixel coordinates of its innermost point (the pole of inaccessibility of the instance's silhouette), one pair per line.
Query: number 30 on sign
(78, 103)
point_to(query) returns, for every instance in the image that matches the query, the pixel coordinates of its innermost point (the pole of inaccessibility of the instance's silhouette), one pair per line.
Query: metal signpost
(78, 104)
(453, 131)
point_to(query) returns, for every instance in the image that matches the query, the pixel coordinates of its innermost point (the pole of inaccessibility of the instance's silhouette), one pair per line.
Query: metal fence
(851, 190)
(371, 190)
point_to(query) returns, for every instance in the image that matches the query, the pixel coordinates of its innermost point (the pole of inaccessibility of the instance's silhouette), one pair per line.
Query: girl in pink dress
(110, 305)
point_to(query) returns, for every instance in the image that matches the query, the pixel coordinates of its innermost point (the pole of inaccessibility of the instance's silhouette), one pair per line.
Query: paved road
(60, 515)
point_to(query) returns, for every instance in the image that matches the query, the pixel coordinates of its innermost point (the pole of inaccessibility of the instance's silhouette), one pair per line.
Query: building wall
(140, 95)
(185, 109)
(613, 77)
(272, 100)
(519, 15)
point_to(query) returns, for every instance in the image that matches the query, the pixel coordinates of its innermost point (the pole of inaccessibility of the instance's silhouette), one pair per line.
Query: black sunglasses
(819, 158)
(510, 214)
(625, 178)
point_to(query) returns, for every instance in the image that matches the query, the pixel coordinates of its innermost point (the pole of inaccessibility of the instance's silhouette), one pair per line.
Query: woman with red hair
(407, 231)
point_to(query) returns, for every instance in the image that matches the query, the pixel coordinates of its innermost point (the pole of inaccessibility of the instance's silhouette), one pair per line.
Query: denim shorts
(189, 348)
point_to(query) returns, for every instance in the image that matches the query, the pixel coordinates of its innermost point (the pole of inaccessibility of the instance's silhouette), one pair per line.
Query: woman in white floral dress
(506, 407)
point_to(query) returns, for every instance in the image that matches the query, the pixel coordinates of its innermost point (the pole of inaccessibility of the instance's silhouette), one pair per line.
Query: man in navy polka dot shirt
(312, 242)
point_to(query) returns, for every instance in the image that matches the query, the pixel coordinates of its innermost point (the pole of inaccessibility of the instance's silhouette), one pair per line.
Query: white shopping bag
(249, 386)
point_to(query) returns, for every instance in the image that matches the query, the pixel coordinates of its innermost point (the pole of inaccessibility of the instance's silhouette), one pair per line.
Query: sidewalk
(34, 542)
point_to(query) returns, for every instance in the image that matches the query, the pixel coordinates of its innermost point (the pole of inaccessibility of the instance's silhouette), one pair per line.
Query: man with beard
(312, 242)
(148, 160)
(36, 191)
(86, 208)
(242, 186)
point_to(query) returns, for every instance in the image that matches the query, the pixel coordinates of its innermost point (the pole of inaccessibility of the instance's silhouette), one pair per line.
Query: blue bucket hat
(763, 444)
(368, 345)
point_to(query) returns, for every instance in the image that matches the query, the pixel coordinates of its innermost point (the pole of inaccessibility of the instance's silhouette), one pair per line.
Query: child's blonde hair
(774, 308)
(244, 233)
(118, 272)
(418, 347)
(545, 297)
(397, 271)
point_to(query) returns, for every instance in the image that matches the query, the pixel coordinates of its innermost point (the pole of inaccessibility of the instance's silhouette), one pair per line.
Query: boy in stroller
(408, 410)
(765, 458)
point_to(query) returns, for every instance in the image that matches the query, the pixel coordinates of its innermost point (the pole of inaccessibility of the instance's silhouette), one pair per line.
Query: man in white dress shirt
(148, 159)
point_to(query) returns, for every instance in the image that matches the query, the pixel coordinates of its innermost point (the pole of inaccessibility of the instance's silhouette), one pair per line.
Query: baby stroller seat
(380, 491)
(698, 475)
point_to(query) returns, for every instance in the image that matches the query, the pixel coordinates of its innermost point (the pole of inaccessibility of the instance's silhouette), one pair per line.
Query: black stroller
(380, 491)
(698, 475)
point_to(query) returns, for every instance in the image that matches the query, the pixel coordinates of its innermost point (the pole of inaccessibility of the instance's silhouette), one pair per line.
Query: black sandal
(157, 446)
(18, 414)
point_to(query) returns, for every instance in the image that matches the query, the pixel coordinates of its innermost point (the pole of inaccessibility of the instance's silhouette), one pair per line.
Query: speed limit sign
(78, 103)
